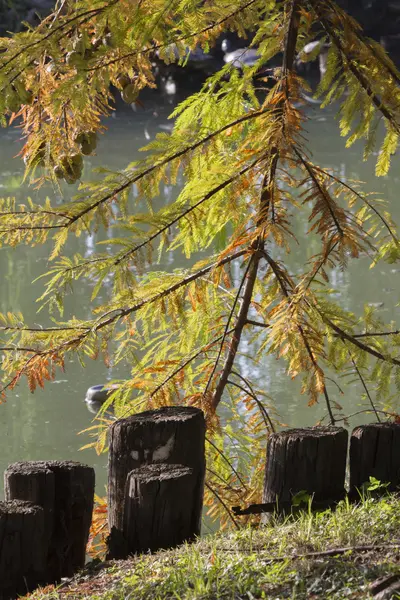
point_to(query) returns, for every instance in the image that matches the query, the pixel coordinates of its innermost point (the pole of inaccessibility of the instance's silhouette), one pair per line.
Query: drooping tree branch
(303, 335)
(178, 40)
(362, 80)
(356, 342)
(266, 202)
(103, 322)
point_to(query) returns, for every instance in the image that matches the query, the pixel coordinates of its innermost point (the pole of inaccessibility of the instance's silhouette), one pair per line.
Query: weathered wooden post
(173, 435)
(313, 460)
(375, 451)
(161, 507)
(65, 490)
(23, 550)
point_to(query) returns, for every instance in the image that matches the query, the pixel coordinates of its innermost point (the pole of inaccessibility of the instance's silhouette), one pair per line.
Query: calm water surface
(45, 425)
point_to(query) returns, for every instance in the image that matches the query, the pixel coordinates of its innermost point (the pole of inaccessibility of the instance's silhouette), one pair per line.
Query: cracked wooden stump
(173, 435)
(23, 548)
(65, 490)
(311, 460)
(161, 507)
(375, 452)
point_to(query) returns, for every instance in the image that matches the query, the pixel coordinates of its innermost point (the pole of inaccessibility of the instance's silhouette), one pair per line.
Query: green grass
(255, 563)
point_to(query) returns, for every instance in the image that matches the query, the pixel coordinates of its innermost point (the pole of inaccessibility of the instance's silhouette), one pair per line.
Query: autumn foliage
(239, 145)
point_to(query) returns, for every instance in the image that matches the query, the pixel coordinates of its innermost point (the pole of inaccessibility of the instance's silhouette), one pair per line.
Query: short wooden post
(65, 489)
(375, 451)
(23, 550)
(170, 435)
(161, 507)
(313, 460)
(32, 481)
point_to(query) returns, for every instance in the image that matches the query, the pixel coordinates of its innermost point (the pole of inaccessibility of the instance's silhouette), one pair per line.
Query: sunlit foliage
(239, 146)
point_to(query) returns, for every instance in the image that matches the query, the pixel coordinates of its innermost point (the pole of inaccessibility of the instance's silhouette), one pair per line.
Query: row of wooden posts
(155, 490)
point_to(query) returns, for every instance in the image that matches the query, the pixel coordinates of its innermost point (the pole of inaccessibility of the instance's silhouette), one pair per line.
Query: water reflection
(45, 425)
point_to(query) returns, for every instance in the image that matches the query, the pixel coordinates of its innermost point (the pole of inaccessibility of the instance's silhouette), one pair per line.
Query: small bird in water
(98, 394)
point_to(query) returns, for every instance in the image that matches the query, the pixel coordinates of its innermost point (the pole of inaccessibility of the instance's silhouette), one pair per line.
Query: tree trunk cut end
(311, 460)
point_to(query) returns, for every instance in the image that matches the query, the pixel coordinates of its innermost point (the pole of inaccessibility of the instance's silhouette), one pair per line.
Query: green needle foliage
(239, 145)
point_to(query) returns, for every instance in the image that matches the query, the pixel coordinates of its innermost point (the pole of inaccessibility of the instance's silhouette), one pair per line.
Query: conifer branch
(367, 43)
(318, 266)
(166, 161)
(322, 192)
(138, 176)
(307, 346)
(360, 197)
(385, 110)
(226, 483)
(356, 342)
(75, 342)
(329, 408)
(184, 214)
(237, 331)
(184, 38)
(228, 321)
(43, 329)
(265, 202)
(123, 312)
(205, 348)
(88, 13)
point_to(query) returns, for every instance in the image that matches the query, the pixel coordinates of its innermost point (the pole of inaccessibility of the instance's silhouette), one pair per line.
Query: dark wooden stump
(375, 451)
(313, 460)
(170, 435)
(65, 489)
(32, 481)
(161, 507)
(23, 550)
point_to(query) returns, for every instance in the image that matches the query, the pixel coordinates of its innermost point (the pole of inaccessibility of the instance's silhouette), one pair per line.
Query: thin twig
(376, 333)
(257, 324)
(256, 400)
(254, 396)
(319, 554)
(230, 316)
(193, 357)
(364, 385)
(223, 456)
(353, 340)
(218, 497)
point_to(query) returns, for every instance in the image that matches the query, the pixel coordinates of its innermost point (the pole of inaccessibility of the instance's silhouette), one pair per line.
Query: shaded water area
(44, 425)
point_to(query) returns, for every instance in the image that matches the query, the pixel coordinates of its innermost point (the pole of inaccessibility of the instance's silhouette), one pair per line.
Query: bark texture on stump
(375, 451)
(32, 481)
(170, 435)
(65, 489)
(23, 550)
(161, 507)
(313, 460)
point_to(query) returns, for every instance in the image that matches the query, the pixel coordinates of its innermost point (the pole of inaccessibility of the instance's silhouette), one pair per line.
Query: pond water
(45, 425)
